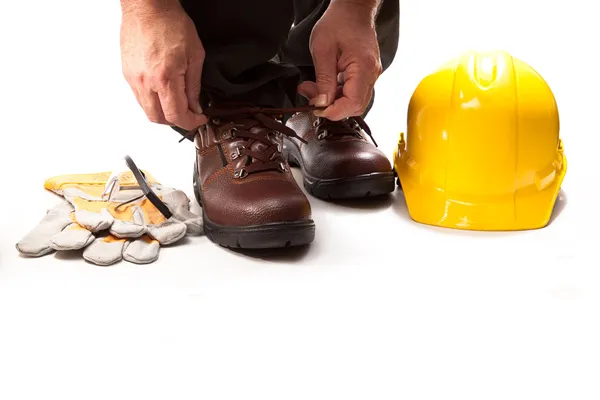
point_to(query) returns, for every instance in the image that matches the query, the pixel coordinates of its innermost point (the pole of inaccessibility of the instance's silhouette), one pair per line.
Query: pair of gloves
(112, 218)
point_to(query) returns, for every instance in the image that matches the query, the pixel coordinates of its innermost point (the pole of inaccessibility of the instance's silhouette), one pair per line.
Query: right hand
(162, 58)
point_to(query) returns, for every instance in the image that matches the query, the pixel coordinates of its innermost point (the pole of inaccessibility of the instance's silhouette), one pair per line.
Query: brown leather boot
(248, 195)
(338, 161)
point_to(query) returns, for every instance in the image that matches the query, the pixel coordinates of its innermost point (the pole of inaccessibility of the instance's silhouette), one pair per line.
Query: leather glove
(136, 218)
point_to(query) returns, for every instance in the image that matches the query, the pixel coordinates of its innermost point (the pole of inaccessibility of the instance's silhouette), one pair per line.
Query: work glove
(112, 217)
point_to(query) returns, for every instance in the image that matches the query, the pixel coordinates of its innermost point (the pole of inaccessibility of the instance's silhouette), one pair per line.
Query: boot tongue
(238, 113)
(267, 135)
(343, 128)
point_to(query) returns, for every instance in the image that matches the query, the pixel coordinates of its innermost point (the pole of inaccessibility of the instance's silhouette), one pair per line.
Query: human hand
(347, 62)
(162, 58)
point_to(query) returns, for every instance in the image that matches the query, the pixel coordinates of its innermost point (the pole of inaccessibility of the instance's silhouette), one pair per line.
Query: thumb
(193, 78)
(325, 61)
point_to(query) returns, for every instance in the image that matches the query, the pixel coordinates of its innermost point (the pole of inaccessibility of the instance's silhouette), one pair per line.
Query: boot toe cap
(267, 202)
(349, 159)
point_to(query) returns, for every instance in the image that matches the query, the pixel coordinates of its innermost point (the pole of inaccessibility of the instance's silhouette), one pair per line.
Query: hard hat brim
(526, 209)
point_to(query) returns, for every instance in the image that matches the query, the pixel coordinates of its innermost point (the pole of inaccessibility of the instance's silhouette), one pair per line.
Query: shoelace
(238, 121)
(350, 126)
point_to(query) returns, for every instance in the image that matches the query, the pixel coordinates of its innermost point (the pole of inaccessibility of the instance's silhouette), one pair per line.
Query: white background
(379, 307)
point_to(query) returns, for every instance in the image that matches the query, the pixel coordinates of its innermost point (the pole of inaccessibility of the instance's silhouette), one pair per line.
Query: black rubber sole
(368, 185)
(265, 236)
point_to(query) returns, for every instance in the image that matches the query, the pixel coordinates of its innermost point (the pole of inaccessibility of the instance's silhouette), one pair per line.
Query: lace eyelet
(317, 122)
(240, 174)
(322, 135)
(237, 153)
(229, 134)
(216, 121)
(276, 154)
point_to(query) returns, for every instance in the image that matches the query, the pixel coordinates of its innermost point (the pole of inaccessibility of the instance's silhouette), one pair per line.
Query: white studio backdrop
(379, 307)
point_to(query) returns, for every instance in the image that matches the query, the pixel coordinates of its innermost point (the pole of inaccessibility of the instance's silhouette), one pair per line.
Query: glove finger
(73, 237)
(168, 232)
(131, 228)
(193, 222)
(124, 229)
(36, 242)
(179, 204)
(175, 198)
(105, 251)
(94, 221)
(144, 250)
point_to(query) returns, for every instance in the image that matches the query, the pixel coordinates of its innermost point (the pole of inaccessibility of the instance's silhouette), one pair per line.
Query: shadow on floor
(285, 254)
(69, 255)
(184, 241)
(366, 203)
(559, 205)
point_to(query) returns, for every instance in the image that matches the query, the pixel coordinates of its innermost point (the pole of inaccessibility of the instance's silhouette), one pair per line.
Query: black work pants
(257, 51)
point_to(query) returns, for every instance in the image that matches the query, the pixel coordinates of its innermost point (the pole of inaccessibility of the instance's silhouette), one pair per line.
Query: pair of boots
(243, 179)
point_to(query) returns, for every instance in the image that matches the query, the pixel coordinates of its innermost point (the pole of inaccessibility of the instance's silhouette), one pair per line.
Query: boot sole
(360, 186)
(264, 236)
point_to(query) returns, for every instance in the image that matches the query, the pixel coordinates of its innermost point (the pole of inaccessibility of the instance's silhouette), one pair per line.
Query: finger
(129, 224)
(193, 77)
(94, 221)
(105, 251)
(355, 97)
(142, 251)
(340, 92)
(127, 229)
(73, 237)
(36, 242)
(325, 60)
(167, 232)
(179, 204)
(342, 108)
(308, 89)
(193, 222)
(175, 105)
(151, 105)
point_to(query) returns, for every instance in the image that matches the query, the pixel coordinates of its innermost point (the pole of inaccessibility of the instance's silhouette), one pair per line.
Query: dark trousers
(254, 54)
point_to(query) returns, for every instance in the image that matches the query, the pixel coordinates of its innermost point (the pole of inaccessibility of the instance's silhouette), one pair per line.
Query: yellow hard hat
(482, 148)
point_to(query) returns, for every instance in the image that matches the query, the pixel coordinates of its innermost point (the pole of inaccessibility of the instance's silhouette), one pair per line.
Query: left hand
(347, 62)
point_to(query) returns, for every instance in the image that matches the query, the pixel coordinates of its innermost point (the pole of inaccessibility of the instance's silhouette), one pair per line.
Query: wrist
(148, 7)
(359, 8)
(366, 3)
